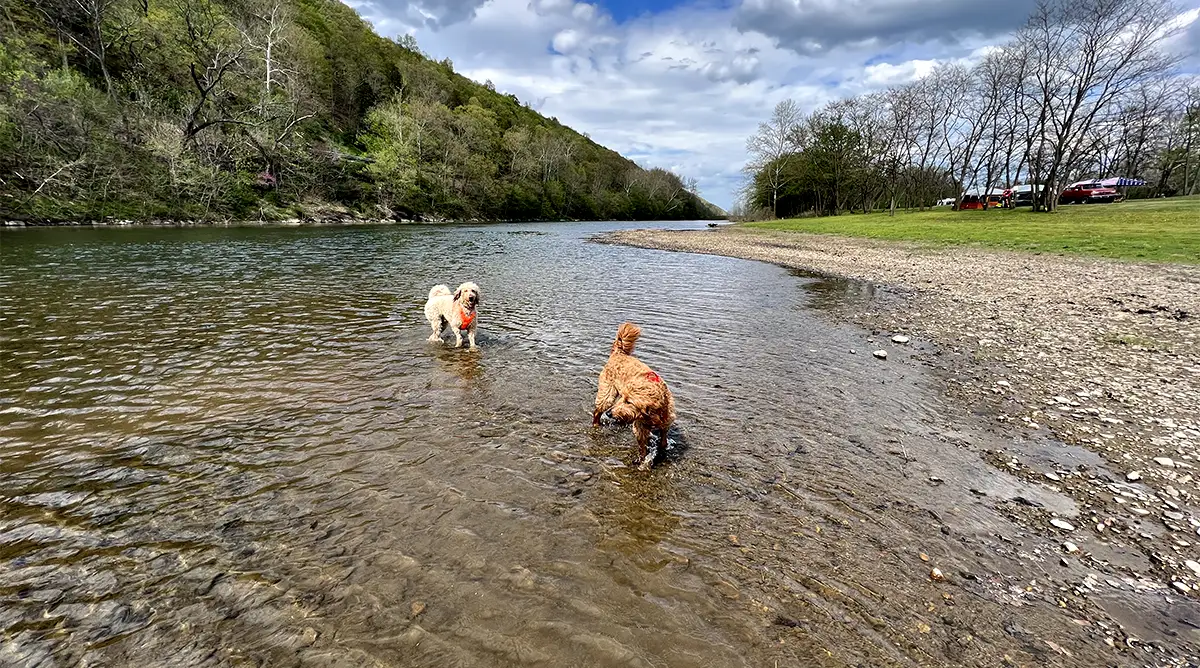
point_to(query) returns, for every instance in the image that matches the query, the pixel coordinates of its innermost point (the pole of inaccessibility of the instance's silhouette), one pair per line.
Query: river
(234, 446)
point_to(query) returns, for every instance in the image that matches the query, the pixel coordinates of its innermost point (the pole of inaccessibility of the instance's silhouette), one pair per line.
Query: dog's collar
(466, 318)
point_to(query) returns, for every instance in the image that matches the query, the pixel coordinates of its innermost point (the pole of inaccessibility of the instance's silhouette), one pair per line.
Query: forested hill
(249, 109)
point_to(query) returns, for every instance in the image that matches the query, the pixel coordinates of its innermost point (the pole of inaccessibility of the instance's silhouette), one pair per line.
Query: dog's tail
(439, 291)
(627, 336)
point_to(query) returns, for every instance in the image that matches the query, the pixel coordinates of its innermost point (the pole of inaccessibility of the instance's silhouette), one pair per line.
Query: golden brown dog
(633, 394)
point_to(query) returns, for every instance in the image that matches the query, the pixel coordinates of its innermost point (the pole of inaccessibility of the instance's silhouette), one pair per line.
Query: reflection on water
(834, 293)
(229, 447)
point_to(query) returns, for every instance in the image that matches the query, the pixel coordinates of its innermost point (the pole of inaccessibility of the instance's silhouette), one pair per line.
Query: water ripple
(229, 445)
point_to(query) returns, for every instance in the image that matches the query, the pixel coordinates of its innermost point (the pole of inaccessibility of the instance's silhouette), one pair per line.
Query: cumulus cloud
(432, 14)
(684, 88)
(819, 26)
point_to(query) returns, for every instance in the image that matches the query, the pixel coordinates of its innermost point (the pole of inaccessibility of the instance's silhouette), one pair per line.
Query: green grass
(1157, 230)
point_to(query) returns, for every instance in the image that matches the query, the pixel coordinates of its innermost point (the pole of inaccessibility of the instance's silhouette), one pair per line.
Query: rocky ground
(1097, 353)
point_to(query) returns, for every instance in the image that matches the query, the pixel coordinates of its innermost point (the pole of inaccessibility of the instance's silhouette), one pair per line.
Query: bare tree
(93, 26)
(1087, 54)
(214, 54)
(773, 144)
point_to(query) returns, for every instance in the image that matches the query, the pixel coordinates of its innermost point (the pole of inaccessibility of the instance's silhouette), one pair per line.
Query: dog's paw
(646, 464)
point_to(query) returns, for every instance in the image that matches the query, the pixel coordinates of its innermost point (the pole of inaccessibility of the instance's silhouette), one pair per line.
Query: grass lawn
(1157, 230)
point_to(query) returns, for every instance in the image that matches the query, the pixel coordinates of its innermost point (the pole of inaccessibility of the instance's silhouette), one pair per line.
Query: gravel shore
(1094, 352)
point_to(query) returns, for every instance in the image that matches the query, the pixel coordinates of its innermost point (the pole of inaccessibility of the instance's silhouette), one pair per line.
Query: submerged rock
(1062, 524)
(881, 354)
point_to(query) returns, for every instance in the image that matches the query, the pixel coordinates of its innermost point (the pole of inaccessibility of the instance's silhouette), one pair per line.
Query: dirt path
(1095, 353)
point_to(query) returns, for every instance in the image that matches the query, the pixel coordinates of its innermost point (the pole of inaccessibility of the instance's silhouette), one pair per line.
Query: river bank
(1096, 353)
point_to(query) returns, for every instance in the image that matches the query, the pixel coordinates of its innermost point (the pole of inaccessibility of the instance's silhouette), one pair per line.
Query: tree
(772, 145)
(1087, 55)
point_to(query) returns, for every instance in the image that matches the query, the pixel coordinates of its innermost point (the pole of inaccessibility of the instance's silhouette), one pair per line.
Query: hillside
(267, 109)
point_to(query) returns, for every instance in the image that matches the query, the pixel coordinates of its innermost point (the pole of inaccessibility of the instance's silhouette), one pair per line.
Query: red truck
(1088, 193)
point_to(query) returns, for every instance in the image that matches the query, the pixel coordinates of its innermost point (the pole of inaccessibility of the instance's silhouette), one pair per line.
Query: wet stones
(727, 590)
(881, 354)
(900, 338)
(1062, 524)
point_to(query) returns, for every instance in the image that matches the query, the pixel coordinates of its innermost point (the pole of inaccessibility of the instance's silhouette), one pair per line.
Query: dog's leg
(471, 338)
(661, 453)
(606, 396)
(437, 325)
(457, 338)
(642, 433)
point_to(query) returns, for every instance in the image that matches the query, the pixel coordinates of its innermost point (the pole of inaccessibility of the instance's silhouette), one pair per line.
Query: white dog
(457, 310)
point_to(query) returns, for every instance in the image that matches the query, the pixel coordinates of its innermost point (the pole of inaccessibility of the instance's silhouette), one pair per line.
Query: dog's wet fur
(444, 309)
(632, 393)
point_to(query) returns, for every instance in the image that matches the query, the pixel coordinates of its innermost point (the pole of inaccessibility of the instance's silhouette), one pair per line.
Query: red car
(1088, 193)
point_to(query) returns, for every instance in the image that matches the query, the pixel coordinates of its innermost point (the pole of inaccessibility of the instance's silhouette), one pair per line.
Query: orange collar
(653, 377)
(466, 318)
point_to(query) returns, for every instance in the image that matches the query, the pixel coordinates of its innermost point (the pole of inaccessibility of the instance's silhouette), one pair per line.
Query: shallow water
(235, 447)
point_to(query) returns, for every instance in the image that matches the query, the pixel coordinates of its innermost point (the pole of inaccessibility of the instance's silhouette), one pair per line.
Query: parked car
(971, 202)
(1088, 193)
(948, 201)
(1022, 195)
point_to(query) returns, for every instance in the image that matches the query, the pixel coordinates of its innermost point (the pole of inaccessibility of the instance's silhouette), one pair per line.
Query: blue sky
(681, 84)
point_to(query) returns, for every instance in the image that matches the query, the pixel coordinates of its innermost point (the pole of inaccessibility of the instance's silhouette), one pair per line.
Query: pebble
(308, 636)
(881, 354)
(1062, 524)
(937, 574)
(1194, 566)
(1054, 476)
(1139, 511)
(900, 338)
(1181, 587)
(1172, 515)
(417, 608)
(1133, 475)
(727, 590)
(1070, 547)
(1165, 461)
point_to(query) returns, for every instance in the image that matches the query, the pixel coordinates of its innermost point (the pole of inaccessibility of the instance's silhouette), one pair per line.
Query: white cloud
(684, 88)
(883, 75)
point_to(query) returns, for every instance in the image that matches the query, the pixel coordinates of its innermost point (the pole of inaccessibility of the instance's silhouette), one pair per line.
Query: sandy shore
(1099, 353)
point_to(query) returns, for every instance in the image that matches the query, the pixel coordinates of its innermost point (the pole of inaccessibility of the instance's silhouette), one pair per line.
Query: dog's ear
(478, 297)
(457, 294)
